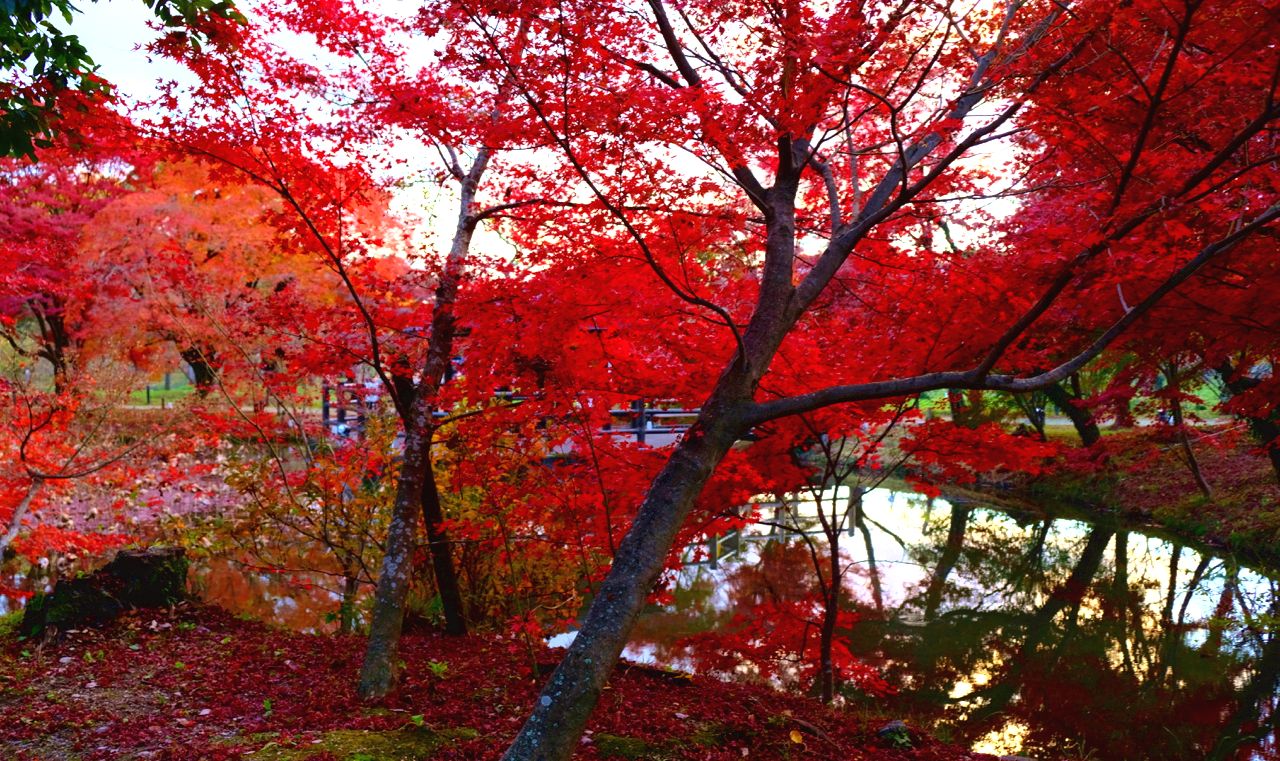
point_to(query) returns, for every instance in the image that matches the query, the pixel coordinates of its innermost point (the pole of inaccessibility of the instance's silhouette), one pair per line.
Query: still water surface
(1046, 637)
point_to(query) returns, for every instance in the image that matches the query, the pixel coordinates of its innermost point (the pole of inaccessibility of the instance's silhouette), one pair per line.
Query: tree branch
(976, 379)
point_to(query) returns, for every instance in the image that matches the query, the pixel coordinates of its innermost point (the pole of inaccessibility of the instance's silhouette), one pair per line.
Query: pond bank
(196, 682)
(1136, 480)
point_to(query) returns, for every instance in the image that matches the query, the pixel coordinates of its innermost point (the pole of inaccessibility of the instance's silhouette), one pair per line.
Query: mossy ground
(410, 743)
(9, 624)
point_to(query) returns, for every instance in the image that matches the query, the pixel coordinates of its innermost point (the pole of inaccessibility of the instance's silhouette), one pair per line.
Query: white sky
(114, 34)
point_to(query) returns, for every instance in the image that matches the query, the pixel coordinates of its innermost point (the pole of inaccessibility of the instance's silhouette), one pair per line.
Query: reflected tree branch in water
(877, 594)
(901, 542)
(1170, 636)
(1116, 604)
(1196, 577)
(1035, 555)
(1070, 593)
(947, 562)
(1217, 625)
(1251, 626)
(1166, 614)
(1263, 687)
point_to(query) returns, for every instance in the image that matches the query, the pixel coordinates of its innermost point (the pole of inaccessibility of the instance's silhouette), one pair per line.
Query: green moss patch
(9, 624)
(409, 744)
(618, 746)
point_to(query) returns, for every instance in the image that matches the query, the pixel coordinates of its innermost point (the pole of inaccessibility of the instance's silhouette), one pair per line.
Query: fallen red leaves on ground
(195, 682)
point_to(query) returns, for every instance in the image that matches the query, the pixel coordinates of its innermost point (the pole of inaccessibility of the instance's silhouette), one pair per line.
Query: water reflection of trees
(1044, 637)
(306, 602)
(1062, 644)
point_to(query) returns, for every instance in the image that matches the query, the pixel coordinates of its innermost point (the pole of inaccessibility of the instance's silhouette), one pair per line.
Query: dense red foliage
(794, 216)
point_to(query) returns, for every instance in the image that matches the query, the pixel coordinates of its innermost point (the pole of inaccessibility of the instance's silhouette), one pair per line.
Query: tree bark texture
(566, 702)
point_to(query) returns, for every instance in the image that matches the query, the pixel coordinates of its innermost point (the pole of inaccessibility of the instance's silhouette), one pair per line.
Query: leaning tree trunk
(561, 713)
(1193, 464)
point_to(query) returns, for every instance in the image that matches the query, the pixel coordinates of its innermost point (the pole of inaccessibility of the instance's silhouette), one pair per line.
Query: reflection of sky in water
(906, 529)
(917, 521)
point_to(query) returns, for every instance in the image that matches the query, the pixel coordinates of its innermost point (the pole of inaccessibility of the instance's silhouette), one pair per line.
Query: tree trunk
(18, 514)
(1033, 405)
(202, 371)
(1192, 463)
(557, 721)
(55, 339)
(1081, 418)
(830, 613)
(1265, 429)
(551, 733)
(347, 610)
(455, 622)
(831, 607)
(381, 669)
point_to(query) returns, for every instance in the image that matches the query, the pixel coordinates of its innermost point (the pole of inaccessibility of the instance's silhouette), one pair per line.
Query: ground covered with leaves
(196, 682)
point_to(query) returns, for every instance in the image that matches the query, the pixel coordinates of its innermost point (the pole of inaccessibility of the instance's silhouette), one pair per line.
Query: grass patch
(408, 744)
(180, 387)
(708, 734)
(619, 746)
(9, 624)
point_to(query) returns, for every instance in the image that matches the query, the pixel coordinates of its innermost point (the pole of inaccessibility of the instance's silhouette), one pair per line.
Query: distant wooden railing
(344, 407)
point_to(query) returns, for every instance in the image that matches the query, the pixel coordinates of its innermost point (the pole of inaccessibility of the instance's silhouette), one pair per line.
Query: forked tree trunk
(381, 666)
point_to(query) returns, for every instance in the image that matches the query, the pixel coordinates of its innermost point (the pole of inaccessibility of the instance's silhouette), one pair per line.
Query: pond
(1021, 633)
(1013, 634)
